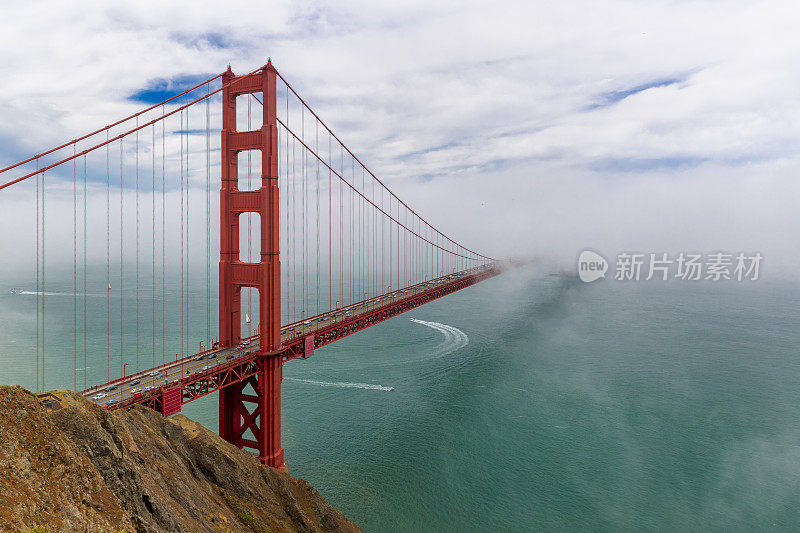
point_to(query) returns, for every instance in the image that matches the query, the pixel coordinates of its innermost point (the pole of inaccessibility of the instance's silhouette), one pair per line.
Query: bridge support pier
(258, 410)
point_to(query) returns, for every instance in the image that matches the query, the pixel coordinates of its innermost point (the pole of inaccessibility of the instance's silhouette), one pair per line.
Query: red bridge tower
(239, 409)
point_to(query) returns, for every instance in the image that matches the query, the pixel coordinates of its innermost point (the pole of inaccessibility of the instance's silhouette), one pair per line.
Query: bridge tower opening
(240, 409)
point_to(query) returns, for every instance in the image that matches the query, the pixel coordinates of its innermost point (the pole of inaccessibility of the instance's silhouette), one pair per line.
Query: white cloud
(490, 102)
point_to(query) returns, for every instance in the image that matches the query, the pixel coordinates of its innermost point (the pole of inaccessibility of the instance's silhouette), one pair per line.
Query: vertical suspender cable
(108, 260)
(374, 244)
(294, 233)
(249, 221)
(360, 239)
(44, 288)
(330, 230)
(374, 232)
(361, 272)
(208, 216)
(136, 245)
(188, 327)
(153, 228)
(286, 171)
(316, 148)
(163, 244)
(121, 329)
(352, 232)
(383, 245)
(280, 188)
(182, 280)
(365, 229)
(85, 366)
(341, 229)
(369, 242)
(75, 269)
(303, 215)
(391, 235)
(37, 277)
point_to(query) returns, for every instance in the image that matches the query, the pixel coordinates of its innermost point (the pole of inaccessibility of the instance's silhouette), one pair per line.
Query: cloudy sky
(517, 127)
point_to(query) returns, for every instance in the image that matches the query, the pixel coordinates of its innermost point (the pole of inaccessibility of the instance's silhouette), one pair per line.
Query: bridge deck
(206, 372)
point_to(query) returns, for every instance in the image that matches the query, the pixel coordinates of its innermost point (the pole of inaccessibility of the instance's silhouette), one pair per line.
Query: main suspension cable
(107, 127)
(306, 106)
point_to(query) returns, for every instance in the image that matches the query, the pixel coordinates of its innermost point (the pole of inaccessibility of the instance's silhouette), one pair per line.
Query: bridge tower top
(234, 274)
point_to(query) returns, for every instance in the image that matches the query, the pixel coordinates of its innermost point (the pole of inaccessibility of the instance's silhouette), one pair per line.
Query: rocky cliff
(78, 467)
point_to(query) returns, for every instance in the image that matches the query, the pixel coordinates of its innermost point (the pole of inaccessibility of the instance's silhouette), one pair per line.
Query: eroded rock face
(145, 473)
(45, 478)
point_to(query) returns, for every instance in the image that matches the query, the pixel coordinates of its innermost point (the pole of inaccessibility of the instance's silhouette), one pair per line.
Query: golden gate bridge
(354, 254)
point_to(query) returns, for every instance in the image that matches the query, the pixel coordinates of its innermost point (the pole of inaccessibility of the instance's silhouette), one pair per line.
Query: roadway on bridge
(143, 382)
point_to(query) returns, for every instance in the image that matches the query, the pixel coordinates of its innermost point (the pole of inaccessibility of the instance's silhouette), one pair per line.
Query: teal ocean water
(534, 401)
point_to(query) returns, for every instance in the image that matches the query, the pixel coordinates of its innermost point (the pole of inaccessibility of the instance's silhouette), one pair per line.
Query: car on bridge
(111, 388)
(154, 373)
(134, 382)
(134, 391)
(99, 396)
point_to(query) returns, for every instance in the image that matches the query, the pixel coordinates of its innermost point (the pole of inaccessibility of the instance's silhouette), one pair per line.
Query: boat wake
(342, 384)
(454, 338)
(40, 293)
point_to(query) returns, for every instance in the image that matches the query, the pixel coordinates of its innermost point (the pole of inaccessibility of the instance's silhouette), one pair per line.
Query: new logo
(591, 266)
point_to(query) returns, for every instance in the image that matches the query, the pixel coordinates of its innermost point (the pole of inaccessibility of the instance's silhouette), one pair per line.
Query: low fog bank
(553, 212)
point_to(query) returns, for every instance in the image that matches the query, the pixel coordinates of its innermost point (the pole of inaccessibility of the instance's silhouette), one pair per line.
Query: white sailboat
(247, 318)
(109, 286)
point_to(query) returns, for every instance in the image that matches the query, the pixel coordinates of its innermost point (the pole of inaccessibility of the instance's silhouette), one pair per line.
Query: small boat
(109, 286)
(247, 318)
(16, 291)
